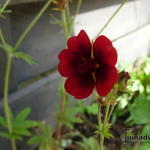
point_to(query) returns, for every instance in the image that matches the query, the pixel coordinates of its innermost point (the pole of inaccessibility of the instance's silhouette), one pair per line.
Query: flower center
(87, 65)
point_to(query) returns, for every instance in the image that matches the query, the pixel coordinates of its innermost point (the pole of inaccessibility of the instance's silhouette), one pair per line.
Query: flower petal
(68, 63)
(106, 56)
(80, 43)
(67, 55)
(67, 69)
(106, 77)
(102, 42)
(80, 86)
(104, 52)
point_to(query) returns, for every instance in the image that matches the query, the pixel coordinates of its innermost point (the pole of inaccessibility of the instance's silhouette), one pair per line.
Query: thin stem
(110, 19)
(105, 122)
(2, 37)
(65, 13)
(76, 13)
(30, 26)
(99, 114)
(5, 5)
(5, 100)
(78, 7)
(65, 24)
(99, 117)
(111, 111)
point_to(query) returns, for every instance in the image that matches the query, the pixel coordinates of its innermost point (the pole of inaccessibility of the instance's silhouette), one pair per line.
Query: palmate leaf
(6, 135)
(20, 125)
(140, 110)
(68, 117)
(44, 138)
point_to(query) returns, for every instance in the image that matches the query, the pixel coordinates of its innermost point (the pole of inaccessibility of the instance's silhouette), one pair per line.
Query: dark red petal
(104, 52)
(73, 43)
(107, 55)
(67, 69)
(102, 42)
(80, 43)
(106, 77)
(68, 63)
(80, 86)
(67, 55)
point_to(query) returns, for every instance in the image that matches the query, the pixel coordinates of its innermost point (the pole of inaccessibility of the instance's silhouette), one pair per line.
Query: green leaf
(22, 115)
(140, 110)
(27, 58)
(144, 147)
(3, 122)
(89, 144)
(35, 140)
(146, 130)
(92, 109)
(21, 131)
(9, 49)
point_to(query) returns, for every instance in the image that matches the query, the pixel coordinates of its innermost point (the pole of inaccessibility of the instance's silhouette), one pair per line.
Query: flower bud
(123, 80)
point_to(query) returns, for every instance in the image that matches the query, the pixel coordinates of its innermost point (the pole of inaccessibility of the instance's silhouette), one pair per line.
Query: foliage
(3, 9)
(13, 53)
(104, 130)
(92, 109)
(141, 76)
(144, 147)
(20, 125)
(140, 110)
(89, 144)
(44, 138)
(69, 116)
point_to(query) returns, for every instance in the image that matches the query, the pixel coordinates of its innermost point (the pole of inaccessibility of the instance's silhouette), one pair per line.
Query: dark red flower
(88, 65)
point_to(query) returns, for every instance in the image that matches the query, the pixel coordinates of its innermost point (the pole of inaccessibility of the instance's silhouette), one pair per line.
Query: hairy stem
(30, 26)
(99, 116)
(5, 100)
(111, 111)
(104, 124)
(110, 19)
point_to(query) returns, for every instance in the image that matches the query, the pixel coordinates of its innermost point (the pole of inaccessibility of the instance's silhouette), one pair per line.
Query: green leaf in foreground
(27, 58)
(140, 110)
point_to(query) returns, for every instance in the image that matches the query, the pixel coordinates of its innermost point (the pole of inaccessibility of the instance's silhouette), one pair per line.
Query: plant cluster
(89, 66)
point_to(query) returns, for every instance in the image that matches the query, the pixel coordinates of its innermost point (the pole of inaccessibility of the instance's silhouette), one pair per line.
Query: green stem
(104, 124)
(5, 100)
(5, 5)
(78, 7)
(65, 24)
(99, 117)
(99, 114)
(110, 19)
(30, 26)
(2, 37)
(111, 111)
